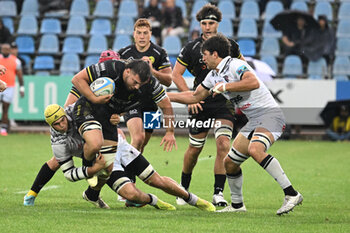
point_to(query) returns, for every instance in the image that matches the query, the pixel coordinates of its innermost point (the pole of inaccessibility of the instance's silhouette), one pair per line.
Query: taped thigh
(198, 143)
(236, 156)
(120, 179)
(109, 153)
(89, 125)
(262, 138)
(224, 130)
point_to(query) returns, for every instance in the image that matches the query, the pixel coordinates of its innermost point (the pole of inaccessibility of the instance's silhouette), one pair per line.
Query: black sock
(186, 180)
(290, 191)
(237, 205)
(92, 194)
(219, 183)
(45, 174)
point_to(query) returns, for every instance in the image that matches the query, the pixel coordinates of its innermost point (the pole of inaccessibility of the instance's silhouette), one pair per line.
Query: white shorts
(126, 153)
(272, 121)
(7, 95)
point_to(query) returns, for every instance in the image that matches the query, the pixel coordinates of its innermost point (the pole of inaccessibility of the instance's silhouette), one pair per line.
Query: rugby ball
(102, 86)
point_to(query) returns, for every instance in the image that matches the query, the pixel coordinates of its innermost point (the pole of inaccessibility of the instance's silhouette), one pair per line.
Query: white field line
(206, 158)
(43, 189)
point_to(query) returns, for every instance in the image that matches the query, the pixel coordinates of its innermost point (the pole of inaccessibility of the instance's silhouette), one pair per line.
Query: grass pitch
(319, 170)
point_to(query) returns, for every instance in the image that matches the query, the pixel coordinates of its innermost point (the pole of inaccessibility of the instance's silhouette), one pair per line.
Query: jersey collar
(222, 64)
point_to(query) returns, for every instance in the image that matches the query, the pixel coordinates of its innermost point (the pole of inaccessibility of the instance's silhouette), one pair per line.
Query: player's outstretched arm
(168, 113)
(189, 97)
(177, 77)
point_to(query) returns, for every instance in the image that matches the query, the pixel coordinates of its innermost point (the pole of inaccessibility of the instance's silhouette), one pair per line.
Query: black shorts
(213, 108)
(84, 111)
(146, 106)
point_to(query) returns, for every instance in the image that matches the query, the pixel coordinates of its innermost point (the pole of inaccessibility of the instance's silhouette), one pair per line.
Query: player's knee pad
(109, 153)
(198, 143)
(147, 173)
(236, 156)
(224, 130)
(262, 138)
(89, 125)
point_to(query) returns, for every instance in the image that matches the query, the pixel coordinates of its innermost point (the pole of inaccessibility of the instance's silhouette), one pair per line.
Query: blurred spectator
(59, 6)
(295, 40)
(340, 127)
(12, 69)
(195, 33)
(14, 52)
(172, 19)
(154, 16)
(5, 35)
(326, 39)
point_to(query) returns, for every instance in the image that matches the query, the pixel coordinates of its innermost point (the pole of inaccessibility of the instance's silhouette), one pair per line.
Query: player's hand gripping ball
(102, 86)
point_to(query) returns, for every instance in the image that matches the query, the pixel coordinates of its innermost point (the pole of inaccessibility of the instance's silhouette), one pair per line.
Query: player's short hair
(218, 43)
(142, 22)
(52, 113)
(140, 68)
(209, 11)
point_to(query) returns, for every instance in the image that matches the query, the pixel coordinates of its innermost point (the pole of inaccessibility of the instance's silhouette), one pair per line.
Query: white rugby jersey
(253, 103)
(66, 145)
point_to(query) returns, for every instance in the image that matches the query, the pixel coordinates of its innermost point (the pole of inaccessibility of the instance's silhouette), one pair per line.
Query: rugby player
(211, 108)
(237, 82)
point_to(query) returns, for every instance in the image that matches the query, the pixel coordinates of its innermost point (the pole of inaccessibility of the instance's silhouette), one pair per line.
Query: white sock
(154, 199)
(192, 199)
(273, 167)
(235, 183)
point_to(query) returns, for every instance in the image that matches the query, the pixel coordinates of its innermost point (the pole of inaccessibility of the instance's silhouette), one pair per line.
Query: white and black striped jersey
(66, 145)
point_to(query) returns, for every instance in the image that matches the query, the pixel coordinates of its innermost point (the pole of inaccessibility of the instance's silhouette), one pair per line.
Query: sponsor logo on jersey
(241, 70)
(152, 59)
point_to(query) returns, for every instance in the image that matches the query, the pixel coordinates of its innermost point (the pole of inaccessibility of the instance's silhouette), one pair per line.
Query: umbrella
(286, 20)
(332, 110)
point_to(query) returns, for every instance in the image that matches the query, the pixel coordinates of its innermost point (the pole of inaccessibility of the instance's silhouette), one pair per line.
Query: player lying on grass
(236, 81)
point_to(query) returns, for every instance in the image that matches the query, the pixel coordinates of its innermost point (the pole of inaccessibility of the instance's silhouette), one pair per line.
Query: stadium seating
(101, 27)
(341, 66)
(317, 69)
(48, 44)
(172, 44)
(44, 63)
(196, 6)
(226, 28)
(8, 22)
(91, 59)
(271, 61)
(269, 31)
(30, 7)
(270, 46)
(343, 47)
(250, 10)
(344, 10)
(128, 8)
(182, 5)
(73, 44)
(299, 5)
(25, 44)
(121, 41)
(79, 8)
(70, 64)
(227, 9)
(272, 9)
(104, 9)
(49, 25)
(343, 29)
(247, 28)
(292, 67)
(125, 25)
(76, 26)
(28, 25)
(97, 44)
(323, 8)
(8, 8)
(247, 47)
